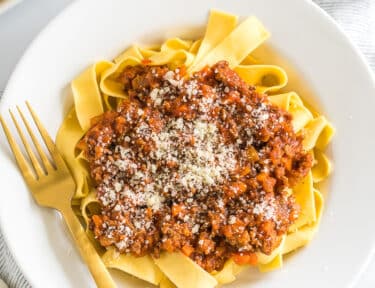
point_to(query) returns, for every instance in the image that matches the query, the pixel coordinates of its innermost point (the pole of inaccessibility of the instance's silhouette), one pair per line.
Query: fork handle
(96, 266)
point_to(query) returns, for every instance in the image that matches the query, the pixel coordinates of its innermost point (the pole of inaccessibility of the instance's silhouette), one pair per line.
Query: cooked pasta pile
(98, 89)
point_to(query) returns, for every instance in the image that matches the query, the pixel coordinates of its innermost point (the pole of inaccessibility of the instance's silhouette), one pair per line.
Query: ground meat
(195, 164)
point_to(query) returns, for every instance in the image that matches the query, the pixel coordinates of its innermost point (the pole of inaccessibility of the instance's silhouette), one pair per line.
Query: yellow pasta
(266, 78)
(275, 263)
(195, 47)
(97, 89)
(87, 97)
(312, 132)
(173, 57)
(265, 263)
(305, 197)
(325, 136)
(166, 283)
(322, 167)
(250, 33)
(69, 134)
(292, 103)
(176, 44)
(132, 52)
(108, 82)
(304, 234)
(90, 199)
(227, 274)
(141, 267)
(186, 273)
(264, 259)
(219, 26)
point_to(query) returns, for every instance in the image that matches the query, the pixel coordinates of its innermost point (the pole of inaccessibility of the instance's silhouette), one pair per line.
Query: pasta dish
(190, 163)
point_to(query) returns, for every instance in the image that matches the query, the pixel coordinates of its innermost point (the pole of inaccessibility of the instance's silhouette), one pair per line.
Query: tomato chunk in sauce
(200, 165)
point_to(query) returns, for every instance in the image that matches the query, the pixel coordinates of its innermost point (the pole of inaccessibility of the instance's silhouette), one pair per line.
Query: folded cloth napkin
(356, 17)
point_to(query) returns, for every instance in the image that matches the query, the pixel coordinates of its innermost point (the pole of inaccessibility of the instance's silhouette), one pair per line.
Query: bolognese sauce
(200, 165)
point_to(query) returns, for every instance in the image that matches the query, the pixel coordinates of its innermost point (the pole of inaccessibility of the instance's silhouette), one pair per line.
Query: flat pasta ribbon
(70, 132)
(236, 46)
(141, 267)
(304, 234)
(219, 26)
(86, 94)
(266, 78)
(183, 271)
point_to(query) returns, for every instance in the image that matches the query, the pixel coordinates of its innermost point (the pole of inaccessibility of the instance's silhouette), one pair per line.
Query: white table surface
(21, 24)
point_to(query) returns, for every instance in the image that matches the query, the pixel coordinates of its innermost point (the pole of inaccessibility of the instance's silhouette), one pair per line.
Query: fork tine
(39, 148)
(38, 169)
(21, 161)
(46, 138)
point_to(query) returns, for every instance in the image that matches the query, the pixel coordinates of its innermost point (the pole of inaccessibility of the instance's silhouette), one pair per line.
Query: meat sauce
(201, 165)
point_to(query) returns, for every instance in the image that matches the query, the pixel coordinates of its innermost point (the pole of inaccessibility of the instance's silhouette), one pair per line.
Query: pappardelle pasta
(190, 165)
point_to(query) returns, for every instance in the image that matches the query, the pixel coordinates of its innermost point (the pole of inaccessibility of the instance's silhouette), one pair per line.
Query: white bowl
(90, 30)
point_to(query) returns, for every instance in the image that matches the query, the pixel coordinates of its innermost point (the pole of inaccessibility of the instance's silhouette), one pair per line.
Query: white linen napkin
(356, 17)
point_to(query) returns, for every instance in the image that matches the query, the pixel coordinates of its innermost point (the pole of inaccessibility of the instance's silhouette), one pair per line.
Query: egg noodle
(96, 90)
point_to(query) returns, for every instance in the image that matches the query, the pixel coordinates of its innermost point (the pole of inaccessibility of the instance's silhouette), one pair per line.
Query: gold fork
(52, 186)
